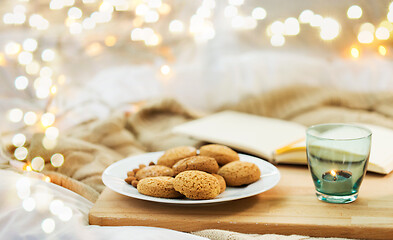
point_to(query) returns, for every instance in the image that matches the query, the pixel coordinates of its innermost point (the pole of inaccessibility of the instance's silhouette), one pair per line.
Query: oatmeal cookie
(154, 171)
(161, 187)
(201, 163)
(221, 180)
(221, 153)
(196, 184)
(173, 155)
(240, 173)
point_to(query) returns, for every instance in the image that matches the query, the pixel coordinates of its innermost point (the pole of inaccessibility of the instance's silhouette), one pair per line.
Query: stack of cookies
(182, 172)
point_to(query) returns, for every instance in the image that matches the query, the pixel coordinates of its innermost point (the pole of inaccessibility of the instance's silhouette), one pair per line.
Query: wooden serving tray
(291, 207)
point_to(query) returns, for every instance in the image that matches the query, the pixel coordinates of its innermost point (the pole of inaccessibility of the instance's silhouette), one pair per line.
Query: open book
(275, 140)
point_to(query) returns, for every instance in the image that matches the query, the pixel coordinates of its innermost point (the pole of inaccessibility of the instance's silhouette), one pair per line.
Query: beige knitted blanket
(91, 147)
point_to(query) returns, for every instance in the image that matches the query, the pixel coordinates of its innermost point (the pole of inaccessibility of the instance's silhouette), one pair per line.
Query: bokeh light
(38, 164)
(291, 26)
(306, 16)
(18, 140)
(29, 204)
(30, 44)
(47, 119)
(21, 83)
(176, 26)
(57, 160)
(15, 115)
(382, 50)
(330, 29)
(259, 13)
(365, 37)
(48, 225)
(51, 133)
(355, 53)
(354, 12)
(277, 40)
(48, 55)
(382, 33)
(21, 153)
(30, 118)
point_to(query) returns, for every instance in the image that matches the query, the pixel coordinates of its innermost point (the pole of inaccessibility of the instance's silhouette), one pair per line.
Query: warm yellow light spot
(165, 69)
(365, 37)
(355, 52)
(390, 16)
(12, 48)
(3, 62)
(382, 50)
(110, 41)
(354, 12)
(47, 119)
(94, 49)
(46, 179)
(27, 167)
(382, 33)
(164, 9)
(53, 90)
(386, 24)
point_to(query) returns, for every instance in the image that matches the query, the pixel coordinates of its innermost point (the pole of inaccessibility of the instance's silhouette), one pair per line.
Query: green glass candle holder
(337, 157)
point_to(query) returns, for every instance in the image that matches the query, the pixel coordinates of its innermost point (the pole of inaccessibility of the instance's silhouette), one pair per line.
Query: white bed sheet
(18, 223)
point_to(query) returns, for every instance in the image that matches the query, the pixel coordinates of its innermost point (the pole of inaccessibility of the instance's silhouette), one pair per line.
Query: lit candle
(336, 182)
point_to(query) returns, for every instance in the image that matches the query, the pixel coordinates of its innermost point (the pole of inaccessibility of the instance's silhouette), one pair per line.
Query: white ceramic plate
(113, 177)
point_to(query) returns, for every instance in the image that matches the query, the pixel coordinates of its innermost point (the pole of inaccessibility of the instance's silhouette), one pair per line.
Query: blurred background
(64, 62)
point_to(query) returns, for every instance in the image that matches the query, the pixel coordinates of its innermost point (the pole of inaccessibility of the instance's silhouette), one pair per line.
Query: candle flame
(334, 174)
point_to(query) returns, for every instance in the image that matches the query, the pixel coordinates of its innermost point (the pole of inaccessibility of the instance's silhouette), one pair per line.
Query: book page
(381, 155)
(256, 135)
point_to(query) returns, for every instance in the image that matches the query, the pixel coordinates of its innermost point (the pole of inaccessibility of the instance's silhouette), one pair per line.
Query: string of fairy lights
(43, 76)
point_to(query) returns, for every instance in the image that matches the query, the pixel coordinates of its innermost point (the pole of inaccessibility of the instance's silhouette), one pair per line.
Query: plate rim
(107, 177)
